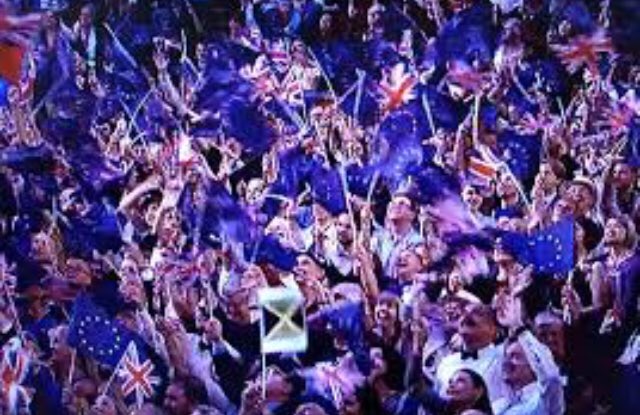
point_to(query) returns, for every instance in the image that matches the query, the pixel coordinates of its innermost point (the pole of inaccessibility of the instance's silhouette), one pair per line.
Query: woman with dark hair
(466, 392)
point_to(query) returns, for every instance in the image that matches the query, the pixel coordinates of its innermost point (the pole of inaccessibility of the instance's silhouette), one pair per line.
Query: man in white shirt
(534, 385)
(478, 332)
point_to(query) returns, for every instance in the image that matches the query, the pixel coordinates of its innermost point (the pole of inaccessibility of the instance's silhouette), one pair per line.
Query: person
(184, 395)
(398, 233)
(178, 171)
(467, 391)
(532, 378)
(478, 334)
(87, 38)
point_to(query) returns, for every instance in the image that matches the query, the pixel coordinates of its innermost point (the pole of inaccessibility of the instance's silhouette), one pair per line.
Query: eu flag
(94, 334)
(326, 187)
(521, 153)
(549, 250)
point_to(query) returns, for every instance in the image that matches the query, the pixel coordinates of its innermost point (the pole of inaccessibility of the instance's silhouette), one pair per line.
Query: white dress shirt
(537, 398)
(488, 365)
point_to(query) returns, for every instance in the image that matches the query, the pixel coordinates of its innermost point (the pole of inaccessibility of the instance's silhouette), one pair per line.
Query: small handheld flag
(282, 324)
(138, 376)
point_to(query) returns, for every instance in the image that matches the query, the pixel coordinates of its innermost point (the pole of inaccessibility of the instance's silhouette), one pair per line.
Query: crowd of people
(451, 185)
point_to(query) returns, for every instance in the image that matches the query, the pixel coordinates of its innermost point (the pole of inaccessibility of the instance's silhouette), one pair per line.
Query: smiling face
(582, 197)
(408, 265)
(472, 197)
(477, 328)
(401, 210)
(386, 311)
(515, 368)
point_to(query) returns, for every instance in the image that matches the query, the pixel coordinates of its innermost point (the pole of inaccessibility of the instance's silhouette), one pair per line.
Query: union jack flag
(620, 113)
(532, 124)
(137, 376)
(262, 77)
(482, 169)
(466, 77)
(292, 90)
(397, 88)
(15, 362)
(278, 54)
(584, 50)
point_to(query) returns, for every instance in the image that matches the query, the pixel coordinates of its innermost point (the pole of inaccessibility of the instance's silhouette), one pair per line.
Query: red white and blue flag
(15, 361)
(397, 88)
(584, 50)
(137, 375)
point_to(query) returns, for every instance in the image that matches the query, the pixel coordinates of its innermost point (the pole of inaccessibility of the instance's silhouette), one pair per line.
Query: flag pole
(476, 118)
(264, 375)
(115, 372)
(427, 109)
(72, 367)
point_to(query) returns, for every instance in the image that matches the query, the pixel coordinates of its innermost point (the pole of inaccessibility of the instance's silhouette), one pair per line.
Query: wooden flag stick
(476, 118)
(72, 367)
(113, 376)
(427, 109)
(264, 375)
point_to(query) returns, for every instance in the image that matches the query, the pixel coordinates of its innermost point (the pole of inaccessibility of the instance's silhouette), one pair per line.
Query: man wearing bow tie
(478, 333)
(212, 360)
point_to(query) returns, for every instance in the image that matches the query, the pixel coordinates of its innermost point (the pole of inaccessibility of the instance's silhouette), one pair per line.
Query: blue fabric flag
(429, 183)
(447, 113)
(96, 335)
(550, 250)
(36, 159)
(347, 320)
(468, 35)
(224, 218)
(270, 251)
(4, 89)
(97, 230)
(368, 108)
(521, 153)
(339, 60)
(401, 147)
(631, 151)
(245, 123)
(625, 15)
(576, 13)
(326, 189)
(295, 168)
(359, 179)
(549, 73)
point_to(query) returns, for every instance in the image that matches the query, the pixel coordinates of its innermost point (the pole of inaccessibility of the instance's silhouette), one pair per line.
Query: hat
(588, 183)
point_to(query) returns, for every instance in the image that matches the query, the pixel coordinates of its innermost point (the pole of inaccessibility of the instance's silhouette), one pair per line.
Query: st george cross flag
(282, 324)
(138, 376)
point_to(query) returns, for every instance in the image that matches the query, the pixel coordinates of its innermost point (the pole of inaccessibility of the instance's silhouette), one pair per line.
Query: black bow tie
(205, 347)
(473, 354)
